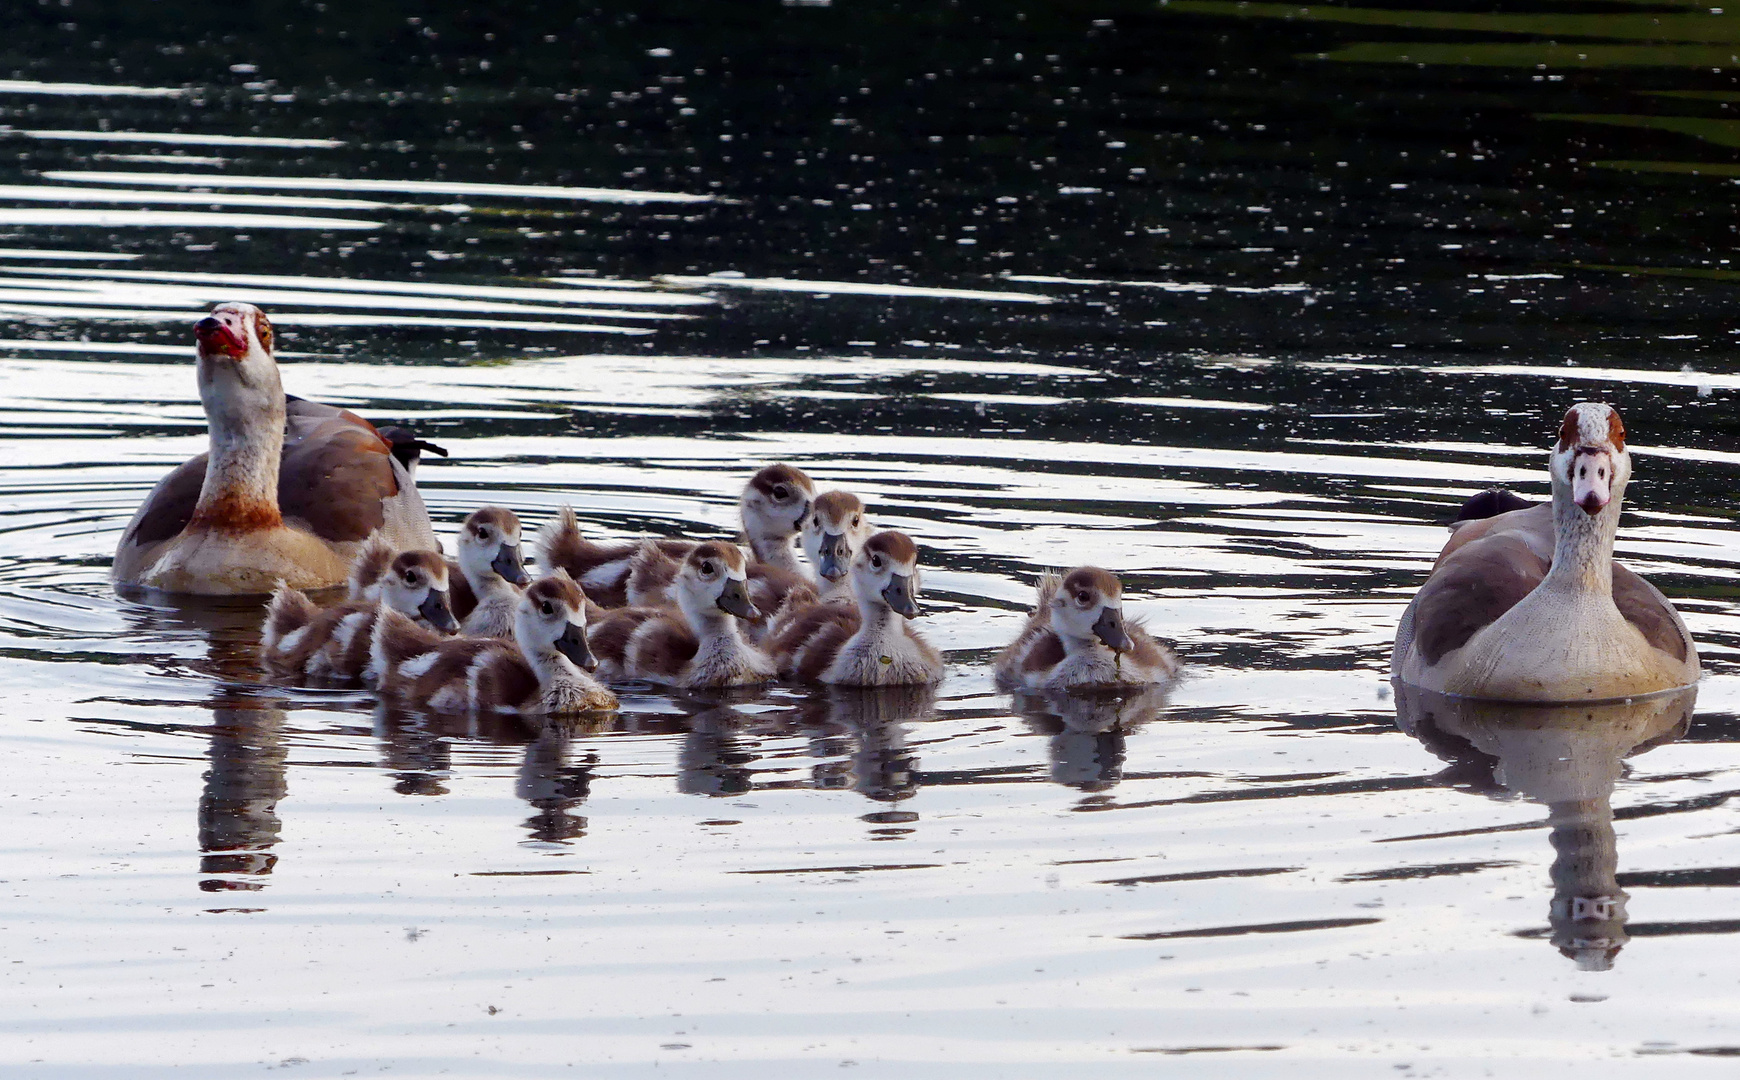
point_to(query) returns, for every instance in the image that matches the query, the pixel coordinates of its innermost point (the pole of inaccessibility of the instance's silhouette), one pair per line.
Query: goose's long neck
(1582, 544)
(240, 492)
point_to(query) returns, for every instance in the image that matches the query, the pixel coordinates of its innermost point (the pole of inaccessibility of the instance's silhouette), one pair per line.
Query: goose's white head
(885, 574)
(238, 379)
(489, 543)
(775, 503)
(1089, 604)
(1590, 460)
(416, 585)
(836, 529)
(714, 578)
(551, 617)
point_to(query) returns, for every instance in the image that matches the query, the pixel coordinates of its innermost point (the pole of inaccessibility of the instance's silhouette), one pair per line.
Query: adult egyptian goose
(866, 645)
(490, 565)
(1076, 636)
(704, 646)
(773, 507)
(299, 638)
(1528, 605)
(288, 491)
(544, 671)
(832, 535)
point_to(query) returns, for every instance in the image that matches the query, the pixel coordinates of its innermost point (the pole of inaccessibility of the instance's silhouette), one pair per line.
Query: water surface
(1239, 301)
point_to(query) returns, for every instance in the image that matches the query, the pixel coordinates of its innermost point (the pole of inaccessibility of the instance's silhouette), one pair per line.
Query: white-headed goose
(543, 671)
(302, 639)
(1077, 637)
(836, 529)
(704, 646)
(493, 573)
(773, 507)
(1528, 605)
(288, 491)
(869, 644)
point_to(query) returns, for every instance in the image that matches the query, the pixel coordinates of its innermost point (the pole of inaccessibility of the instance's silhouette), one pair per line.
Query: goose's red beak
(217, 336)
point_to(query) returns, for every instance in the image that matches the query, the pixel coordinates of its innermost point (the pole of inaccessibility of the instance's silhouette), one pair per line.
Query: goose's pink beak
(215, 335)
(1592, 479)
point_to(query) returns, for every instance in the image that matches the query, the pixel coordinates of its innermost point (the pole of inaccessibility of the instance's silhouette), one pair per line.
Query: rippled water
(1237, 300)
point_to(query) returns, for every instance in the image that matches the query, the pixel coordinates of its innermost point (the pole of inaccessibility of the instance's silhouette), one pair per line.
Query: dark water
(1238, 300)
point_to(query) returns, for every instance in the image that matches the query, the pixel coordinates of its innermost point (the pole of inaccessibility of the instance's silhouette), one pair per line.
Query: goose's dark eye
(707, 568)
(782, 493)
(1082, 599)
(410, 579)
(876, 561)
(548, 608)
(854, 521)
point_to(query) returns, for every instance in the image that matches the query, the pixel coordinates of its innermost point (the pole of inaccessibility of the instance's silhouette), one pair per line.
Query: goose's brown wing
(336, 473)
(169, 507)
(1471, 588)
(1649, 611)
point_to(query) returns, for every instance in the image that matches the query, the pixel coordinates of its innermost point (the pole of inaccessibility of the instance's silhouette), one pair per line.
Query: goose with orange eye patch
(700, 647)
(287, 491)
(869, 644)
(1530, 606)
(298, 638)
(1077, 637)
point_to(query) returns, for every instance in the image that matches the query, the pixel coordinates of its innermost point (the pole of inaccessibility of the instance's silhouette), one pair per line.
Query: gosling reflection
(864, 730)
(1568, 757)
(715, 758)
(417, 757)
(554, 785)
(1087, 729)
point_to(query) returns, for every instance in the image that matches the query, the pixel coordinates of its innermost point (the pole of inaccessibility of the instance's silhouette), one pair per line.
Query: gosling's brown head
(1089, 606)
(885, 572)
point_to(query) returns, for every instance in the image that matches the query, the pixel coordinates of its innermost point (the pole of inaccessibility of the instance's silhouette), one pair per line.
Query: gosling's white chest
(727, 661)
(881, 656)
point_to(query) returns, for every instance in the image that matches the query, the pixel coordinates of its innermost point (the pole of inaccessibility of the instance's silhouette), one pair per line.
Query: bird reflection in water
(238, 804)
(417, 755)
(555, 782)
(716, 756)
(1087, 729)
(863, 729)
(417, 752)
(1568, 757)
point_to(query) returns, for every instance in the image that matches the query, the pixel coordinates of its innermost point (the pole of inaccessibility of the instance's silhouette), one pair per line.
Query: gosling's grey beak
(834, 556)
(507, 563)
(902, 595)
(734, 598)
(574, 646)
(437, 612)
(1109, 628)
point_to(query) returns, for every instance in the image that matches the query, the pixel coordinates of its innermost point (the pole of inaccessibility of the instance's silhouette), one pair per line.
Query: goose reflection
(1087, 729)
(1568, 757)
(238, 822)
